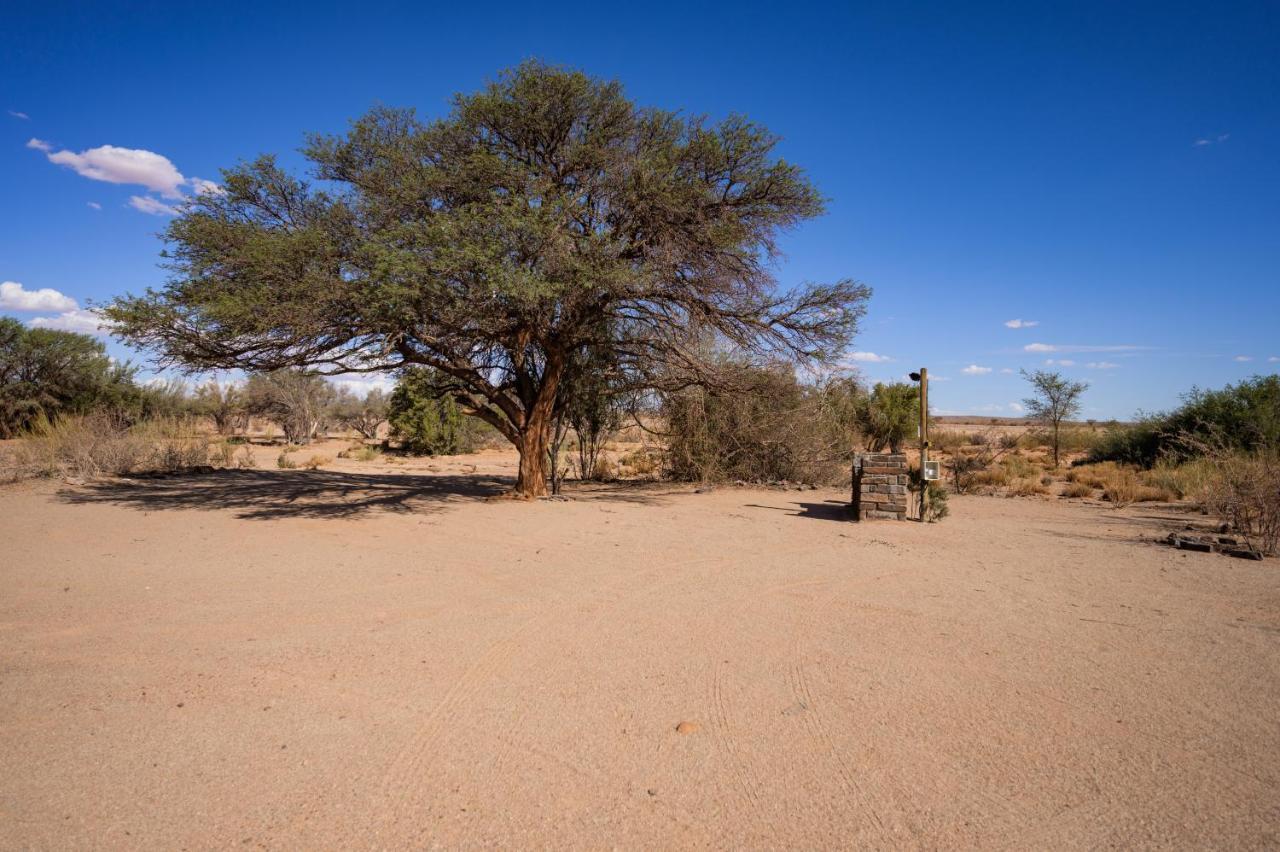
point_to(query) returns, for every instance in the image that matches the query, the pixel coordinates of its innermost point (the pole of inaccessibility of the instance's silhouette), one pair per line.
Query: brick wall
(881, 486)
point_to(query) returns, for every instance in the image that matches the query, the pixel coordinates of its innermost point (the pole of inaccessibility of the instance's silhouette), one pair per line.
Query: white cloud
(154, 206)
(1243, 358)
(975, 370)
(1273, 359)
(15, 297)
(1058, 347)
(1101, 365)
(867, 358)
(1006, 370)
(1016, 407)
(112, 164)
(1021, 323)
(1061, 362)
(21, 115)
(202, 186)
(93, 205)
(85, 322)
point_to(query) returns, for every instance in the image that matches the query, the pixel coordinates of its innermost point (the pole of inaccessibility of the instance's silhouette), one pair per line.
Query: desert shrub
(363, 414)
(1018, 467)
(283, 461)
(1187, 480)
(223, 454)
(1046, 480)
(427, 421)
(888, 416)
(996, 477)
(936, 507)
(1123, 487)
(1008, 440)
(46, 374)
(364, 453)
(222, 403)
(1077, 489)
(604, 469)
(1026, 488)
(949, 440)
(763, 425)
(1241, 417)
(593, 405)
(643, 461)
(295, 400)
(1244, 490)
(102, 444)
(317, 462)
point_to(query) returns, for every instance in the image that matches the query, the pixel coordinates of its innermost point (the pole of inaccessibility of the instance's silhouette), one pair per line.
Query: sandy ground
(377, 656)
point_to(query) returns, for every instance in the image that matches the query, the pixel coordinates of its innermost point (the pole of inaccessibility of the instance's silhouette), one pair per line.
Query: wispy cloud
(1008, 371)
(93, 205)
(154, 206)
(1101, 365)
(1072, 347)
(21, 115)
(867, 358)
(975, 370)
(1211, 140)
(1273, 359)
(1060, 362)
(1243, 358)
(82, 321)
(15, 297)
(1021, 323)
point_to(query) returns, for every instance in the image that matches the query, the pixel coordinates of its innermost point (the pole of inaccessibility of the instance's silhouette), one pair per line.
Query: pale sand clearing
(294, 659)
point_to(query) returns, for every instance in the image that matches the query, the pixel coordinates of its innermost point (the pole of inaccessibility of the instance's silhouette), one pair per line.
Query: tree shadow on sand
(267, 495)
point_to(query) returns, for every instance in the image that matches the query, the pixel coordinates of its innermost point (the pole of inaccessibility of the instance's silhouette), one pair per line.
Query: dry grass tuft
(317, 462)
(98, 445)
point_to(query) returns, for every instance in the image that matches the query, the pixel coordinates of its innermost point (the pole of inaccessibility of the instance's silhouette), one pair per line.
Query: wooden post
(924, 440)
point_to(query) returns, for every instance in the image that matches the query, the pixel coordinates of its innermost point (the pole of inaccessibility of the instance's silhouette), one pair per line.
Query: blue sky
(1109, 172)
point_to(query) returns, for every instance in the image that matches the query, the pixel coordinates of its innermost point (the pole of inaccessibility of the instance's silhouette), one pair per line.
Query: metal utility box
(932, 471)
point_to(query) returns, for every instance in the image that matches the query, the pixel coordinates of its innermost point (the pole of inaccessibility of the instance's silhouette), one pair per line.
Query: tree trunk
(535, 436)
(532, 480)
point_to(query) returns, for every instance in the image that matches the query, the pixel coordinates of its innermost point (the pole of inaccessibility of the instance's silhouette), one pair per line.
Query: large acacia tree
(545, 215)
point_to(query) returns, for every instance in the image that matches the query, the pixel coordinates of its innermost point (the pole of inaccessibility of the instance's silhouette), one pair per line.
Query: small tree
(888, 416)
(425, 418)
(46, 373)
(296, 400)
(224, 404)
(1055, 399)
(363, 415)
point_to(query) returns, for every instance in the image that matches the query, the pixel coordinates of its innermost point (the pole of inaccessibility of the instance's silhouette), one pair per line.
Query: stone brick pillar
(881, 486)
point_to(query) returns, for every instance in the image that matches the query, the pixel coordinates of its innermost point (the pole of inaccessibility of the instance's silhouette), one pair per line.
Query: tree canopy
(45, 373)
(544, 214)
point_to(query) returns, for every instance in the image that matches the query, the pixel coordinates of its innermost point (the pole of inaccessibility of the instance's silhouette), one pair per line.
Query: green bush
(46, 374)
(1243, 416)
(426, 421)
(889, 416)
